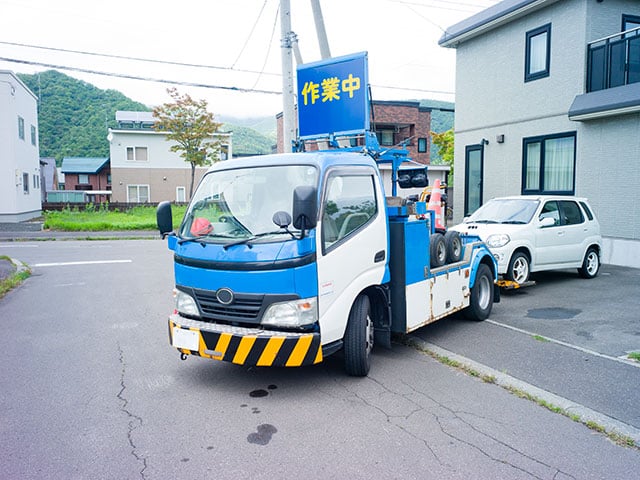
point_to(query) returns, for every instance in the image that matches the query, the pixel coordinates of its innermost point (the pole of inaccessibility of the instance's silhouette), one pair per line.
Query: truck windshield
(235, 204)
(505, 210)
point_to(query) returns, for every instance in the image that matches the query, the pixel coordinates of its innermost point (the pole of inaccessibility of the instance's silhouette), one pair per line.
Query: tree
(444, 142)
(188, 123)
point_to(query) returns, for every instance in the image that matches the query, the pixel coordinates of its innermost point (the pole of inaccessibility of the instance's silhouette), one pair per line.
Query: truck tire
(590, 264)
(437, 250)
(453, 245)
(358, 338)
(481, 300)
(518, 270)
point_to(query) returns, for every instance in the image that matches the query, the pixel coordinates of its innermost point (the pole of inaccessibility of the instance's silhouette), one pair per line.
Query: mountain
(74, 117)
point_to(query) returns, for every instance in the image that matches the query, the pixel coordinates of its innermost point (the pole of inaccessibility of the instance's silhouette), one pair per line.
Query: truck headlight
(185, 304)
(498, 240)
(294, 313)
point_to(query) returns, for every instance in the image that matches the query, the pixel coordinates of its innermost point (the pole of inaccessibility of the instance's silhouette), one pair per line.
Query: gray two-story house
(548, 101)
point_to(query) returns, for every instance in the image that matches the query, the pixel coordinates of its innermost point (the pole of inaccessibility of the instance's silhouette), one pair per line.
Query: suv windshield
(505, 210)
(236, 204)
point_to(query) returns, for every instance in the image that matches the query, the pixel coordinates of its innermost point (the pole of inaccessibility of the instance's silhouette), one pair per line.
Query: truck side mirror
(164, 218)
(305, 207)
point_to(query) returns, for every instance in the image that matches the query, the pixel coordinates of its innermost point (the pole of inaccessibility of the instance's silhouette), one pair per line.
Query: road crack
(135, 421)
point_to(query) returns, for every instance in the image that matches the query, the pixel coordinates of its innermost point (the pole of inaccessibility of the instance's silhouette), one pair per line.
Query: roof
(83, 165)
(488, 19)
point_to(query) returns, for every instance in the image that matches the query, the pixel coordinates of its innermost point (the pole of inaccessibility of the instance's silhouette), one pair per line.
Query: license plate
(187, 339)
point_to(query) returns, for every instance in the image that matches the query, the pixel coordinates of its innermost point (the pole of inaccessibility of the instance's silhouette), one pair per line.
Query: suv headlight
(186, 304)
(498, 240)
(294, 313)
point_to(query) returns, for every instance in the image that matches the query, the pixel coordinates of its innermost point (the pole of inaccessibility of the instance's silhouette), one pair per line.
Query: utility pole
(288, 105)
(320, 31)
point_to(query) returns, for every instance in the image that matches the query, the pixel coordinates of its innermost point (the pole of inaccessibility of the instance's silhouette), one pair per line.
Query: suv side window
(571, 213)
(550, 210)
(350, 202)
(587, 210)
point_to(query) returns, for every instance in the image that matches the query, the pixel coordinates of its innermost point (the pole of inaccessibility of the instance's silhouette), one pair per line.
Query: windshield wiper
(514, 222)
(254, 237)
(484, 221)
(198, 239)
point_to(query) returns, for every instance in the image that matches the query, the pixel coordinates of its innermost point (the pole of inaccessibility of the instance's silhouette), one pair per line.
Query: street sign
(333, 96)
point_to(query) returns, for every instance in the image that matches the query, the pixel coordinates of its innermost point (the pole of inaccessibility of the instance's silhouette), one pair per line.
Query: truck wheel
(590, 264)
(453, 244)
(437, 250)
(518, 270)
(358, 339)
(481, 300)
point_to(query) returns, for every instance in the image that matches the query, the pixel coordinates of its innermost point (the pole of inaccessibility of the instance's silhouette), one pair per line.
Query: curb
(585, 414)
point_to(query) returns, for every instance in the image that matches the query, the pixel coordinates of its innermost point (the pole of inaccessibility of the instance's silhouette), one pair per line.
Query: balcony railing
(614, 60)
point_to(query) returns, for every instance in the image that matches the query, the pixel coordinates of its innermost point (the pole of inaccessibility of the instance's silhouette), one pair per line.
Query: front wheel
(358, 339)
(481, 300)
(518, 270)
(590, 264)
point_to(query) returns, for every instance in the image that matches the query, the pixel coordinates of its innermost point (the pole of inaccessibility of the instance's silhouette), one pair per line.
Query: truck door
(352, 245)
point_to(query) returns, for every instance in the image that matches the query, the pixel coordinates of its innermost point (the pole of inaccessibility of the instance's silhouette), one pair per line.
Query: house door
(474, 159)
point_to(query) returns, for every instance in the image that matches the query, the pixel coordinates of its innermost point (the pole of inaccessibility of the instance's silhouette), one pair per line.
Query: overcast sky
(240, 37)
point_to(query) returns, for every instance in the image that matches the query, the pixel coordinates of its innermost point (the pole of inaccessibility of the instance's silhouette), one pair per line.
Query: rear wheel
(358, 339)
(590, 264)
(481, 300)
(518, 270)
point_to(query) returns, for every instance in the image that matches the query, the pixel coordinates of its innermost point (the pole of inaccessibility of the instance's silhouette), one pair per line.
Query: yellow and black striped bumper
(245, 346)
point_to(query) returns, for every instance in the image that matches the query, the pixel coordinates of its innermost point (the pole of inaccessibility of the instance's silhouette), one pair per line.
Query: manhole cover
(553, 313)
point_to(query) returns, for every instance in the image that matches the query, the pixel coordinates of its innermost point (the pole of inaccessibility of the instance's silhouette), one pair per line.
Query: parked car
(535, 233)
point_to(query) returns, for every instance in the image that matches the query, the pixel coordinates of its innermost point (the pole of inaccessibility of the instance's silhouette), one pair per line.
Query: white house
(548, 101)
(143, 169)
(20, 196)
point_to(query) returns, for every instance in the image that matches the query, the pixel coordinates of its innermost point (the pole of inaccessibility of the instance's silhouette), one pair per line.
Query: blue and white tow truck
(282, 260)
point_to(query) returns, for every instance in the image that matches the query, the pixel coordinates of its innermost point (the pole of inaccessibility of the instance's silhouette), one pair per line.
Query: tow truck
(282, 260)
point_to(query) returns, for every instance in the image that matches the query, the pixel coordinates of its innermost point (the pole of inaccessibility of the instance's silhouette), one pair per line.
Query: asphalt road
(91, 389)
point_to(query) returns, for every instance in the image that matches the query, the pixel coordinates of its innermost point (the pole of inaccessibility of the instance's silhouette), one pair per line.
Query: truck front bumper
(244, 346)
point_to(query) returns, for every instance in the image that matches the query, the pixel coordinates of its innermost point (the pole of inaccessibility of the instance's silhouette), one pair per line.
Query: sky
(239, 42)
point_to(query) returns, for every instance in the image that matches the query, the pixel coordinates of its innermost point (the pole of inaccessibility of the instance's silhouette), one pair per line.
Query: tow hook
(183, 356)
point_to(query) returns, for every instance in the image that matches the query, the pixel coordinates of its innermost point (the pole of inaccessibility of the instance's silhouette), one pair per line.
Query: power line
(250, 33)
(266, 57)
(135, 77)
(137, 59)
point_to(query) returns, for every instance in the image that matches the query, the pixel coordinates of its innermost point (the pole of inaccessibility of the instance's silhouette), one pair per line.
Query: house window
(181, 194)
(83, 178)
(548, 164)
(538, 53)
(137, 193)
(36, 181)
(138, 154)
(422, 145)
(385, 137)
(20, 128)
(629, 22)
(25, 182)
(33, 135)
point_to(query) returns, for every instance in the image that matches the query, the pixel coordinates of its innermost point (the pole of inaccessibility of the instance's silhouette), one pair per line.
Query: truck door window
(349, 203)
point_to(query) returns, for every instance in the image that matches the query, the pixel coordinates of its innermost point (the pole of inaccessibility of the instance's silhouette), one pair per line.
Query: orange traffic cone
(435, 204)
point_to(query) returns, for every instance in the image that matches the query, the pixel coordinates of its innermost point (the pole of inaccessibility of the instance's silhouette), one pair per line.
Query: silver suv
(534, 233)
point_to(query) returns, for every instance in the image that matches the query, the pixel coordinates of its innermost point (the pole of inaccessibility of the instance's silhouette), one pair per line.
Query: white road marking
(88, 262)
(18, 246)
(568, 345)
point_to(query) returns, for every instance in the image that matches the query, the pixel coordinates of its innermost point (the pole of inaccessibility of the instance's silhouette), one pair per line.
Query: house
(143, 169)
(548, 101)
(20, 197)
(400, 124)
(90, 175)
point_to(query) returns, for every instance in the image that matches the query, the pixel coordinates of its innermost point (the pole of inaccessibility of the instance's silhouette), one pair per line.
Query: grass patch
(634, 356)
(540, 338)
(94, 218)
(13, 280)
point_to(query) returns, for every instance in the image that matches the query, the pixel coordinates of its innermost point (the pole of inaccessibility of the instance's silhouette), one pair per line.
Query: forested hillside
(73, 118)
